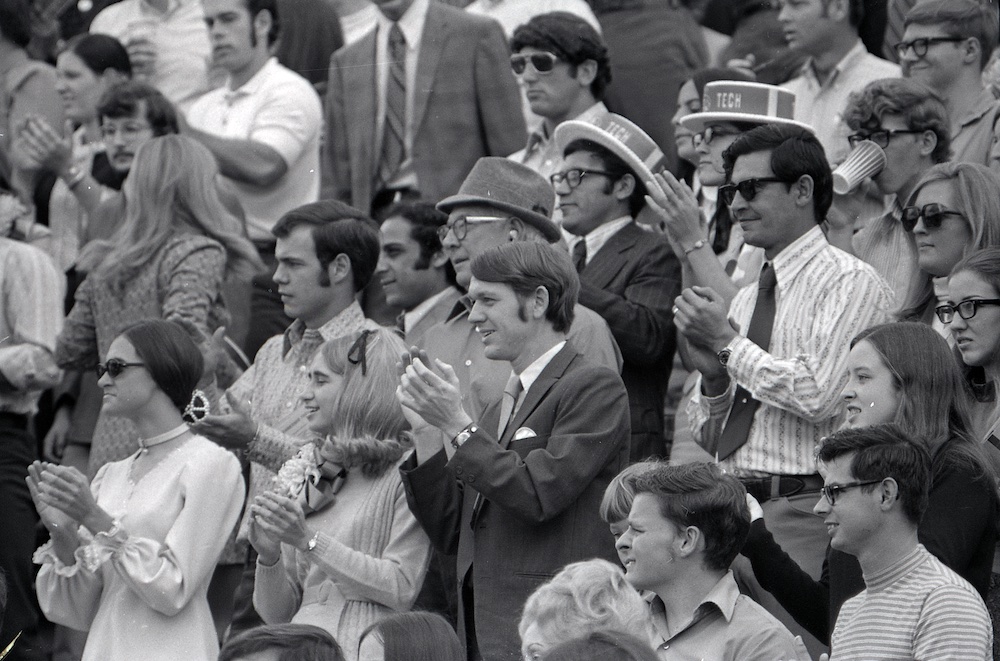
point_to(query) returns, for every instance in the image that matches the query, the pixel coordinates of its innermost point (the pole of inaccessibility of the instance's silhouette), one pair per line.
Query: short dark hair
(171, 357)
(919, 106)
(336, 229)
(603, 646)
(794, 152)
(100, 53)
(126, 99)
(15, 21)
(526, 265)
(257, 6)
(297, 642)
(618, 168)
(417, 636)
(570, 38)
(425, 219)
(960, 18)
(701, 495)
(883, 451)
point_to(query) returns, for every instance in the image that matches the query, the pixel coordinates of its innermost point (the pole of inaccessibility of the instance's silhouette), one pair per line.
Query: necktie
(580, 255)
(895, 16)
(394, 132)
(508, 405)
(737, 430)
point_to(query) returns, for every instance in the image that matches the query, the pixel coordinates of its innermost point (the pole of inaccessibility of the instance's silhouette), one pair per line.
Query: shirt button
(468, 363)
(302, 368)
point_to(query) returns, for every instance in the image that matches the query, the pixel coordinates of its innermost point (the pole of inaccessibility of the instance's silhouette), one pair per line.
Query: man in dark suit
(415, 103)
(627, 274)
(515, 511)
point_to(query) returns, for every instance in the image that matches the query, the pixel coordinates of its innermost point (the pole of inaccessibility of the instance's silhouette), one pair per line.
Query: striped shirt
(824, 298)
(915, 609)
(890, 249)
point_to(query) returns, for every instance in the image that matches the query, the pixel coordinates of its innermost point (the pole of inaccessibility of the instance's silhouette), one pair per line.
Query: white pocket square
(523, 433)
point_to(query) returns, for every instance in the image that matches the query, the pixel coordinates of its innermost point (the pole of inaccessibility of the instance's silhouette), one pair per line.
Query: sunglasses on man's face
(114, 367)
(933, 215)
(748, 188)
(542, 62)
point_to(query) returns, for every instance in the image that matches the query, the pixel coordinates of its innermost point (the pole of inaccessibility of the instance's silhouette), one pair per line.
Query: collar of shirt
(256, 82)
(886, 576)
(796, 255)
(411, 23)
(984, 103)
(809, 70)
(349, 318)
(721, 598)
(530, 373)
(598, 237)
(411, 318)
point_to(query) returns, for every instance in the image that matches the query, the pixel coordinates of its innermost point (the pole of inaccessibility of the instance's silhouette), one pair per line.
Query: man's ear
(339, 268)
(972, 51)
(889, 491)
(690, 540)
(804, 189)
(586, 72)
(539, 302)
(439, 259)
(838, 10)
(624, 187)
(262, 23)
(928, 142)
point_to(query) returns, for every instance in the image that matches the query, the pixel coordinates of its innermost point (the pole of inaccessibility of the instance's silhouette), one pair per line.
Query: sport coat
(541, 487)
(632, 282)
(466, 105)
(439, 312)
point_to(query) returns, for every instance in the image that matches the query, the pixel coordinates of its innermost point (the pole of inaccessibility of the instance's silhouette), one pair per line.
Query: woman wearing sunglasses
(168, 260)
(131, 555)
(337, 545)
(902, 373)
(953, 210)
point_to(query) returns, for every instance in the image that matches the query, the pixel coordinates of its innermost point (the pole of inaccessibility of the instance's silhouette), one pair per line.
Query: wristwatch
(311, 544)
(724, 356)
(463, 436)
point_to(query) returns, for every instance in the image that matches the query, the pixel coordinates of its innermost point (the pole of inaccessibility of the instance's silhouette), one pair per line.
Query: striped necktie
(394, 133)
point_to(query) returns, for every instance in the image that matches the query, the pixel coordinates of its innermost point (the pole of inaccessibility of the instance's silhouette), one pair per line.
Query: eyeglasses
(747, 188)
(114, 367)
(880, 137)
(358, 353)
(126, 131)
(920, 45)
(711, 133)
(461, 226)
(933, 215)
(542, 62)
(966, 309)
(832, 491)
(574, 176)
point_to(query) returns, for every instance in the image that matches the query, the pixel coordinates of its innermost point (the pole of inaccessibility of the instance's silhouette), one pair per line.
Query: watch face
(724, 356)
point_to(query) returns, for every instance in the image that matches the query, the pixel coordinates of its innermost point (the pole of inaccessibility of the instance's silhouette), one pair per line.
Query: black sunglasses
(933, 215)
(748, 188)
(880, 137)
(711, 133)
(966, 309)
(114, 367)
(920, 45)
(542, 62)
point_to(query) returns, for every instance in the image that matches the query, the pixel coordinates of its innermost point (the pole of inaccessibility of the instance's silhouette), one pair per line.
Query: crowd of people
(392, 330)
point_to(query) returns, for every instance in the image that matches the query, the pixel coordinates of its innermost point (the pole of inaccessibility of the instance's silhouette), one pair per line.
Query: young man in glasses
(563, 68)
(770, 391)
(946, 44)
(875, 490)
(910, 123)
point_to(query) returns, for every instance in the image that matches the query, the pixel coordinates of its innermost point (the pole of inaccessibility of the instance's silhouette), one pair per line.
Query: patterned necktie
(580, 255)
(895, 15)
(737, 430)
(394, 132)
(508, 405)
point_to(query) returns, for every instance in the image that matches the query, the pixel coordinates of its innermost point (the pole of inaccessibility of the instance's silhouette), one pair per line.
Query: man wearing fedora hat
(628, 275)
(500, 202)
(514, 492)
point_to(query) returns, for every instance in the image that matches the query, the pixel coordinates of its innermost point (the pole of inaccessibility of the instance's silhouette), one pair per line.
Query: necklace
(165, 437)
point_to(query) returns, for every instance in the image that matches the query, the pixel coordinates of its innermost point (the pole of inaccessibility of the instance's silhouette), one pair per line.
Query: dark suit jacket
(466, 105)
(541, 493)
(632, 282)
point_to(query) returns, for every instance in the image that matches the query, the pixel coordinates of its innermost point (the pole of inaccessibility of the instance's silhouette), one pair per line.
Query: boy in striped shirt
(913, 607)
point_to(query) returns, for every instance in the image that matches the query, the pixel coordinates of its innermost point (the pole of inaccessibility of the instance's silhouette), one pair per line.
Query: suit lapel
(432, 43)
(539, 389)
(606, 264)
(361, 81)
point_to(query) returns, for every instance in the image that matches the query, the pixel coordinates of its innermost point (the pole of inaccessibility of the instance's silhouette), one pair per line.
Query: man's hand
(234, 430)
(701, 315)
(714, 377)
(435, 398)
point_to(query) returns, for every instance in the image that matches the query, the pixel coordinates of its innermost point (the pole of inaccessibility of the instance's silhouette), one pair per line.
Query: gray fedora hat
(510, 187)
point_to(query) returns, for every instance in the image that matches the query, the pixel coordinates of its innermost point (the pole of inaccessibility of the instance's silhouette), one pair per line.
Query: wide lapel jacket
(548, 378)
(437, 29)
(609, 261)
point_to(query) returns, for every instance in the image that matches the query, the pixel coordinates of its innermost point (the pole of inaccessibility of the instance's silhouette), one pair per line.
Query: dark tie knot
(396, 38)
(768, 280)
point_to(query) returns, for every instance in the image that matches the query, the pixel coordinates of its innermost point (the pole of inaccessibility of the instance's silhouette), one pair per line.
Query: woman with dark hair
(74, 155)
(337, 544)
(417, 636)
(902, 373)
(131, 555)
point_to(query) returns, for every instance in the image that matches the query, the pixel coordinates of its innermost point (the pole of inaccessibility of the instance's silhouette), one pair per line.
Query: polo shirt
(278, 108)
(977, 139)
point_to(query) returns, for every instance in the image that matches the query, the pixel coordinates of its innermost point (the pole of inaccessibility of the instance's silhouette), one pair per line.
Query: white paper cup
(866, 160)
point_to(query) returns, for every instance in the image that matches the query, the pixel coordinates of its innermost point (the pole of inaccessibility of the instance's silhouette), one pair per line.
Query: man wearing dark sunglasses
(946, 44)
(563, 67)
(770, 391)
(913, 606)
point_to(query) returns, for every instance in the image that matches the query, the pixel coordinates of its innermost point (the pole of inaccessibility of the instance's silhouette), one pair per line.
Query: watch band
(697, 244)
(462, 436)
(311, 544)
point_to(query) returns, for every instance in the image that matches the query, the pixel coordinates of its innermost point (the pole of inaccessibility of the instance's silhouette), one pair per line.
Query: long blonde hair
(171, 188)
